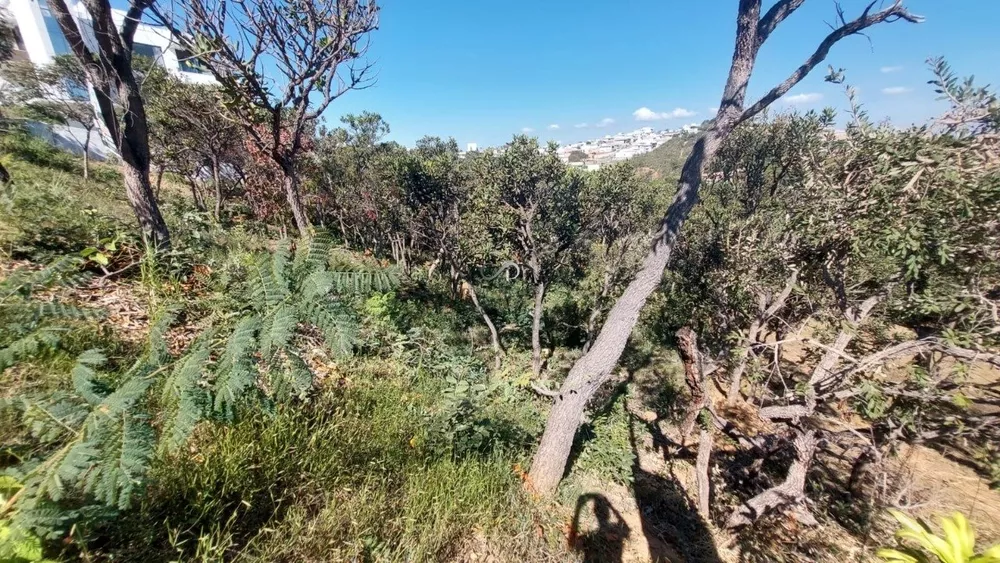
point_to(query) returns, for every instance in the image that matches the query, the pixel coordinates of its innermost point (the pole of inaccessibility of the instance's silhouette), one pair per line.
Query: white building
(40, 40)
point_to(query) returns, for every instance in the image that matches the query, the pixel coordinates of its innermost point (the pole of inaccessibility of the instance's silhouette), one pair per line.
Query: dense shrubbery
(367, 392)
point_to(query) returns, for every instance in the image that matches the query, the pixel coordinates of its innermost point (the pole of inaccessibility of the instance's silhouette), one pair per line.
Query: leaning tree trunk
(536, 330)
(291, 185)
(494, 334)
(594, 367)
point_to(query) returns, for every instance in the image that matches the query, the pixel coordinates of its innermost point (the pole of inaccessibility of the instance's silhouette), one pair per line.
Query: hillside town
(593, 154)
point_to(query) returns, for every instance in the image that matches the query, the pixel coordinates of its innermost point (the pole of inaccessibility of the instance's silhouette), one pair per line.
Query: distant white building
(39, 40)
(471, 147)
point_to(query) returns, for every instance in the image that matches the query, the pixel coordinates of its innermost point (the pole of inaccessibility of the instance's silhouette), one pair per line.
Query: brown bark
(702, 466)
(687, 346)
(494, 335)
(789, 493)
(112, 72)
(294, 198)
(767, 310)
(536, 330)
(594, 368)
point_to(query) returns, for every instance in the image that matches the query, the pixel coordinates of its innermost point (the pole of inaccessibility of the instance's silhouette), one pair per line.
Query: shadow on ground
(667, 521)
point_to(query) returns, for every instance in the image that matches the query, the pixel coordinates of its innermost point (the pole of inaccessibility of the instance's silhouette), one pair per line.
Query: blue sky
(484, 70)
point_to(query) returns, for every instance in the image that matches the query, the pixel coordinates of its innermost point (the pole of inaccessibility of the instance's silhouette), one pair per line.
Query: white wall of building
(43, 41)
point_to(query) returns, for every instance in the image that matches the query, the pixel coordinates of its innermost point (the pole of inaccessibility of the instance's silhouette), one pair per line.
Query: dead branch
(893, 13)
(790, 493)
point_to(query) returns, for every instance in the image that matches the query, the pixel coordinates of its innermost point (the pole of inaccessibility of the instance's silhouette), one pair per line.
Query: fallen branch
(789, 494)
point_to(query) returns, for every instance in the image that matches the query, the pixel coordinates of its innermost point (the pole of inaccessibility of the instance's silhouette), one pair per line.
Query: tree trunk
(549, 464)
(199, 201)
(790, 493)
(494, 335)
(86, 155)
(217, 180)
(536, 330)
(594, 368)
(291, 184)
(703, 474)
(140, 195)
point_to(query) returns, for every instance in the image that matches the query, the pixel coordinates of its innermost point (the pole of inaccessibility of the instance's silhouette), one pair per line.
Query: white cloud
(895, 90)
(713, 110)
(646, 114)
(605, 122)
(803, 98)
(581, 125)
(553, 127)
(888, 69)
(527, 130)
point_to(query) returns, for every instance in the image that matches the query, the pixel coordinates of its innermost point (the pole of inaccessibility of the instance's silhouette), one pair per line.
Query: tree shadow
(607, 542)
(673, 528)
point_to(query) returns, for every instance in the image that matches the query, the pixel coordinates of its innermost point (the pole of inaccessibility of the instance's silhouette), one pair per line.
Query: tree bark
(494, 335)
(536, 330)
(791, 492)
(86, 155)
(109, 72)
(702, 474)
(291, 185)
(217, 180)
(594, 367)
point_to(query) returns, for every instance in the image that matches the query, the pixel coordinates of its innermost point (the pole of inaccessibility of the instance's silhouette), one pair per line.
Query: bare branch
(777, 14)
(895, 12)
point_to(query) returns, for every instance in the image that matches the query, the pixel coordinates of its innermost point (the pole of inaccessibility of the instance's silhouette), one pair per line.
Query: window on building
(59, 44)
(189, 63)
(151, 52)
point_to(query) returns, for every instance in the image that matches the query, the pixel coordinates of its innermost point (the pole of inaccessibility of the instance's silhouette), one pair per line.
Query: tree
(56, 93)
(311, 48)
(538, 207)
(577, 156)
(618, 214)
(595, 367)
(7, 45)
(108, 64)
(192, 134)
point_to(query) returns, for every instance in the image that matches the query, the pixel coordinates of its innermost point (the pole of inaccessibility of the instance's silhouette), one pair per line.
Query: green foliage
(32, 327)
(957, 546)
(605, 444)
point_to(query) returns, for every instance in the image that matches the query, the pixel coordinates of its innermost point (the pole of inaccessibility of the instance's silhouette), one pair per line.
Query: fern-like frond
(85, 378)
(266, 290)
(295, 380)
(279, 326)
(312, 253)
(365, 281)
(31, 345)
(338, 327)
(123, 456)
(53, 418)
(236, 372)
(157, 351)
(184, 396)
(316, 284)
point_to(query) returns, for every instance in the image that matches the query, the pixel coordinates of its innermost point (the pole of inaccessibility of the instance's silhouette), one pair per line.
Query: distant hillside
(666, 160)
